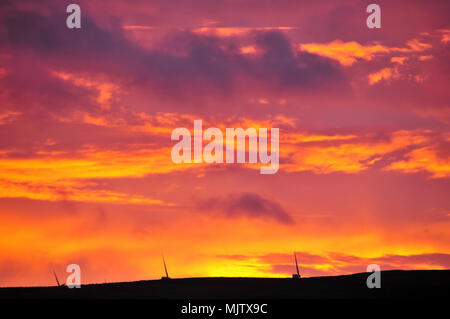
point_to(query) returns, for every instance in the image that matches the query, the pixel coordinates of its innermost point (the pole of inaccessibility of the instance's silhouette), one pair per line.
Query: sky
(86, 116)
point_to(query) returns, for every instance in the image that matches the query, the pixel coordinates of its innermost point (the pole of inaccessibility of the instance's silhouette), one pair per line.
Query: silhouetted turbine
(297, 275)
(165, 268)
(56, 277)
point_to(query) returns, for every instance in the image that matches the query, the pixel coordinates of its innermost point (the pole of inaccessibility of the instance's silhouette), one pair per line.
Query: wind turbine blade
(165, 268)
(56, 277)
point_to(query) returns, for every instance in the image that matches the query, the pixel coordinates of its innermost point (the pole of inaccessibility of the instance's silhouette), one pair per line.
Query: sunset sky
(86, 117)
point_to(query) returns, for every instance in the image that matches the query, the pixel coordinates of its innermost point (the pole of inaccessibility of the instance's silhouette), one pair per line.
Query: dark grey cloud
(302, 70)
(248, 205)
(210, 65)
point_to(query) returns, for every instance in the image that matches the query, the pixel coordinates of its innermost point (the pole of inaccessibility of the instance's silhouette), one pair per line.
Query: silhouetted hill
(394, 284)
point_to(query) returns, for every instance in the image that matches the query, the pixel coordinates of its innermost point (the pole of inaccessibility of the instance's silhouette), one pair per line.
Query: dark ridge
(394, 284)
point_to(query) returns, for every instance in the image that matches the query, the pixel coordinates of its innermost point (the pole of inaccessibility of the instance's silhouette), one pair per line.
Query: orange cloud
(66, 177)
(345, 157)
(385, 74)
(293, 138)
(60, 175)
(250, 49)
(218, 31)
(423, 159)
(70, 192)
(445, 35)
(425, 57)
(348, 53)
(8, 116)
(233, 31)
(105, 89)
(399, 59)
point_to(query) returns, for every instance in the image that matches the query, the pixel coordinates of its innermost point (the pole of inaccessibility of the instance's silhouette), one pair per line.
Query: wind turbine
(56, 277)
(297, 275)
(165, 268)
(57, 281)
